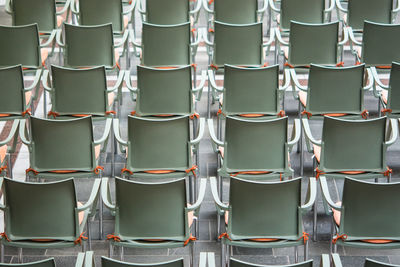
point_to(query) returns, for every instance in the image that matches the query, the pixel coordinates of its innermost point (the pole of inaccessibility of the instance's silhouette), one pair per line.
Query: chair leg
(110, 250)
(2, 253)
(100, 218)
(306, 251)
(296, 254)
(191, 254)
(222, 255)
(20, 255)
(89, 234)
(9, 167)
(121, 253)
(330, 241)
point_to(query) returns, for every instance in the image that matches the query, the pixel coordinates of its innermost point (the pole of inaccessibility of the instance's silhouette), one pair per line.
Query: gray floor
(207, 239)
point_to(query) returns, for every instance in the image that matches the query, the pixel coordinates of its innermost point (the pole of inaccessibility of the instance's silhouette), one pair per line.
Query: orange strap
(281, 113)
(251, 172)
(97, 169)
(111, 112)
(114, 237)
(52, 113)
(288, 65)
(365, 114)
(358, 63)
(31, 170)
(343, 237)
(340, 64)
(194, 115)
(210, 2)
(133, 113)
(211, 30)
(191, 238)
(225, 235)
(265, 64)
(193, 170)
(386, 110)
(194, 66)
(4, 168)
(388, 172)
(220, 112)
(305, 112)
(126, 170)
(383, 67)
(79, 239)
(319, 172)
(305, 237)
(215, 67)
(28, 111)
(118, 66)
(5, 236)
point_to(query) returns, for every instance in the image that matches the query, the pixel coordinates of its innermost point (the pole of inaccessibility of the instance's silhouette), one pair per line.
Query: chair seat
(44, 53)
(384, 95)
(3, 152)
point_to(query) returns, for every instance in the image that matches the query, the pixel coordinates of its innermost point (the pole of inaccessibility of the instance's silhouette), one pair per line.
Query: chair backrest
(151, 210)
(96, 12)
(178, 11)
(238, 263)
(264, 209)
(62, 144)
(335, 90)
(158, 143)
(108, 262)
(12, 99)
(43, 263)
(251, 90)
(79, 91)
(20, 45)
(306, 11)
(374, 263)
(157, 39)
(370, 10)
(164, 91)
(238, 44)
(313, 43)
(40, 210)
(360, 200)
(393, 101)
(42, 12)
(353, 145)
(236, 11)
(89, 46)
(379, 44)
(255, 145)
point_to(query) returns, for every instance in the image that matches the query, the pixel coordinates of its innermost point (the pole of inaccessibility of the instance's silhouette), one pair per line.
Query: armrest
(376, 78)
(312, 193)
(201, 132)
(296, 131)
(11, 135)
(93, 196)
(117, 134)
(22, 132)
(214, 191)
(205, 38)
(279, 37)
(296, 82)
(124, 39)
(50, 39)
(35, 80)
(58, 38)
(118, 84)
(132, 38)
(205, 6)
(89, 259)
(211, 259)
(74, 7)
(211, 80)
(273, 7)
(131, 7)
(325, 261)
(140, 9)
(45, 79)
(331, 6)
(105, 194)
(339, 6)
(65, 8)
(370, 82)
(308, 133)
(106, 132)
(203, 255)
(271, 39)
(200, 198)
(202, 81)
(128, 82)
(287, 80)
(394, 132)
(2, 207)
(326, 195)
(345, 37)
(8, 8)
(80, 259)
(335, 260)
(197, 8)
(264, 8)
(198, 39)
(351, 35)
(212, 133)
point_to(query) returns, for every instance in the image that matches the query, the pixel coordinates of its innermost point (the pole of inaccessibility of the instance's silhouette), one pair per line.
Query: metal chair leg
(296, 254)
(20, 255)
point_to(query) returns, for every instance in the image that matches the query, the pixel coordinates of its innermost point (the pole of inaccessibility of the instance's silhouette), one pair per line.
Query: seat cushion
(384, 95)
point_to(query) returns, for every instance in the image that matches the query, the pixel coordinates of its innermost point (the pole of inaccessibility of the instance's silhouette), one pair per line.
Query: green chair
(80, 92)
(367, 216)
(165, 91)
(264, 214)
(359, 11)
(45, 215)
(235, 12)
(336, 262)
(179, 11)
(152, 215)
(5, 150)
(157, 39)
(46, 263)
(309, 11)
(90, 46)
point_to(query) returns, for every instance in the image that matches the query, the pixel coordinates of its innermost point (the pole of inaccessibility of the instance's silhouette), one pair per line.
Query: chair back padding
(256, 145)
(353, 145)
(264, 210)
(393, 101)
(158, 144)
(238, 263)
(12, 100)
(379, 46)
(42, 12)
(251, 90)
(108, 262)
(89, 46)
(313, 43)
(151, 210)
(370, 210)
(166, 45)
(236, 11)
(370, 10)
(79, 91)
(306, 11)
(178, 11)
(41, 210)
(374, 263)
(164, 91)
(20, 45)
(335, 90)
(43, 263)
(62, 145)
(238, 44)
(96, 12)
